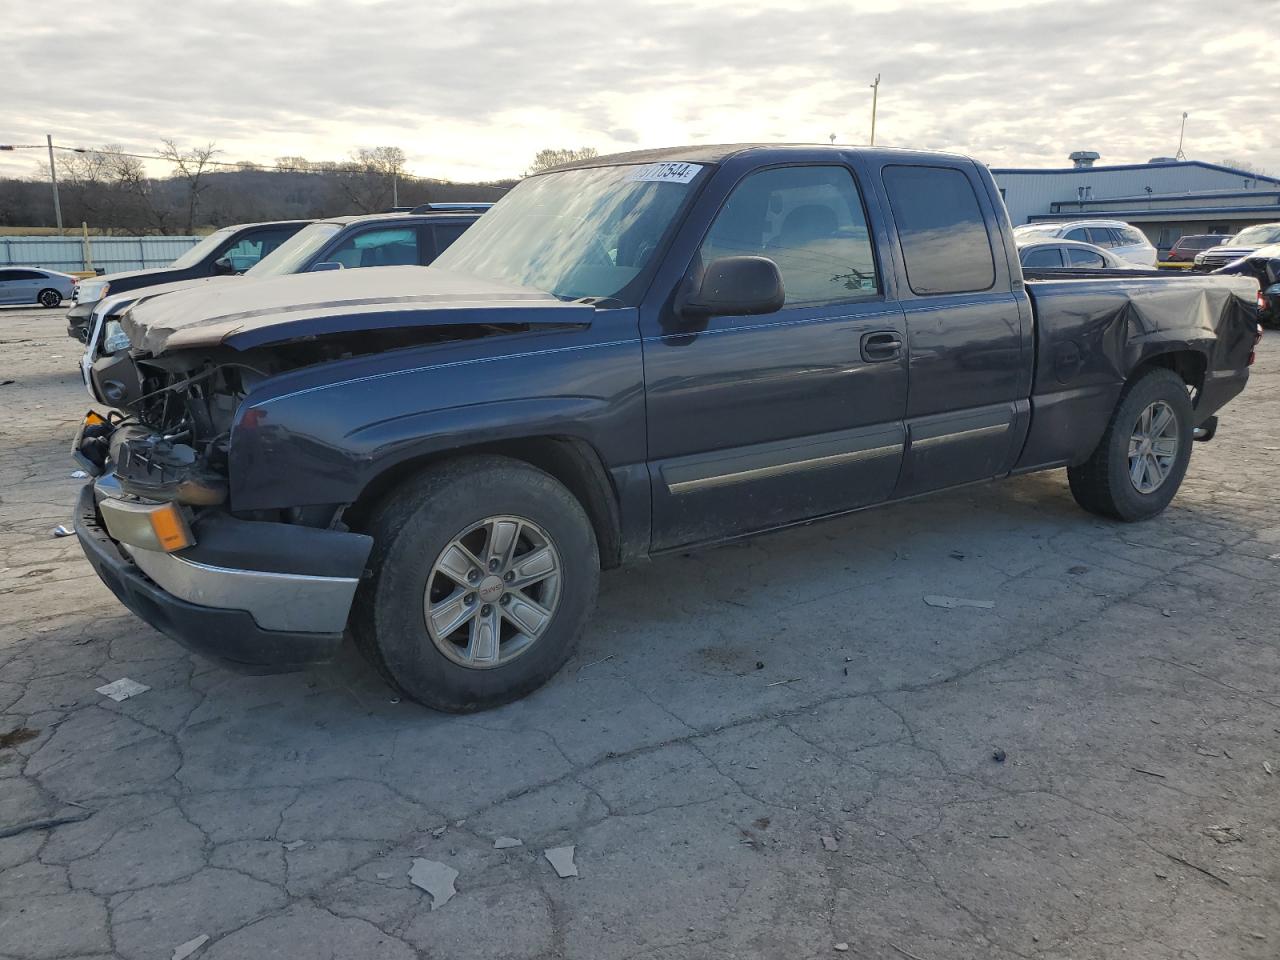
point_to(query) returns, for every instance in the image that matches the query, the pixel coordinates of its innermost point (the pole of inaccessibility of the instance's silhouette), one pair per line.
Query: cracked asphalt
(726, 711)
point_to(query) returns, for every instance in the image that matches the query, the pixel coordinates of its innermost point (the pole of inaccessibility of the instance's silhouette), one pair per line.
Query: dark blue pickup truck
(626, 356)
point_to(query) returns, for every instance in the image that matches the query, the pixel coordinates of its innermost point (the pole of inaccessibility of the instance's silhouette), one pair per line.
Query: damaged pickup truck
(626, 356)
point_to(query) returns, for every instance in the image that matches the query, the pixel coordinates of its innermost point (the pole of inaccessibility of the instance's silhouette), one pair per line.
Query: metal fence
(103, 254)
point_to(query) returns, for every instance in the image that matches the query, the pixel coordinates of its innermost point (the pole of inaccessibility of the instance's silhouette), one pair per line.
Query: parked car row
(628, 356)
(1123, 241)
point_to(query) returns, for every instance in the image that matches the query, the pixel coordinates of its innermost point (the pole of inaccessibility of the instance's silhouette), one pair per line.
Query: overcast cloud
(472, 89)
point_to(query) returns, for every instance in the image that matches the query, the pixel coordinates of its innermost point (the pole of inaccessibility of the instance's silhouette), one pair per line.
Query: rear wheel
(1141, 459)
(484, 573)
(49, 298)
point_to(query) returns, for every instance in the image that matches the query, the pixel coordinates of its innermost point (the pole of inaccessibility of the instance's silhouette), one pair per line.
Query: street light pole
(875, 96)
(53, 176)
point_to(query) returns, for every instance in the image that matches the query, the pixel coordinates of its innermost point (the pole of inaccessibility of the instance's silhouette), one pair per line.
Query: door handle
(881, 346)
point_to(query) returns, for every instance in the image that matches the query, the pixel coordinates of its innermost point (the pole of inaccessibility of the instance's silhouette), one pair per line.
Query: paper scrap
(185, 950)
(950, 603)
(434, 877)
(502, 843)
(123, 689)
(562, 859)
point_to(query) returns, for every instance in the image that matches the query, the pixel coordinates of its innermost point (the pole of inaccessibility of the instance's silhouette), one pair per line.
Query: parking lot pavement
(760, 751)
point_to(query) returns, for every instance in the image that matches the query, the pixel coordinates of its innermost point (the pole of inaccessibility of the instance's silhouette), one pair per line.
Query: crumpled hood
(114, 303)
(256, 313)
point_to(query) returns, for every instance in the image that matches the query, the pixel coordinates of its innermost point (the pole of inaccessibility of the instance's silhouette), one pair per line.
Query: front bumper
(266, 619)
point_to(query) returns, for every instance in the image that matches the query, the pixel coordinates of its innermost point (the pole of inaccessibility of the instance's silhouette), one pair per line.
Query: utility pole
(875, 96)
(395, 189)
(53, 176)
(1181, 133)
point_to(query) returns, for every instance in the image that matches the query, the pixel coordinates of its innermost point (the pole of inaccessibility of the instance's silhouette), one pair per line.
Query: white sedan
(1042, 252)
(31, 285)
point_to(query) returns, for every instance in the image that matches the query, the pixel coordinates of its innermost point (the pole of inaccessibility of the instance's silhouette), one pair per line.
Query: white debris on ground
(434, 877)
(294, 844)
(829, 844)
(502, 843)
(562, 859)
(950, 603)
(61, 530)
(123, 689)
(182, 951)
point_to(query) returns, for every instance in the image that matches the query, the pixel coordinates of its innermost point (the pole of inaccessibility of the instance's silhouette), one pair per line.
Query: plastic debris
(841, 947)
(61, 530)
(123, 689)
(1267, 767)
(434, 877)
(79, 475)
(998, 755)
(294, 844)
(502, 843)
(438, 832)
(829, 844)
(562, 859)
(182, 951)
(950, 603)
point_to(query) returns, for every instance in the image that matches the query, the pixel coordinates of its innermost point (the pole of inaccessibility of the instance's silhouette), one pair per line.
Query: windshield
(578, 233)
(204, 248)
(1256, 236)
(294, 254)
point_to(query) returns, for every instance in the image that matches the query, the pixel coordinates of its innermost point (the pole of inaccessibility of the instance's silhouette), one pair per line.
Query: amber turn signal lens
(170, 527)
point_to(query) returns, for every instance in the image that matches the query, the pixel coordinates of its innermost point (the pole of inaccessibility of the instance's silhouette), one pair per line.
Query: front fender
(326, 443)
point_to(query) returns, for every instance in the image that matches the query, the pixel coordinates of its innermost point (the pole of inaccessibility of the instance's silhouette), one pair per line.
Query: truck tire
(484, 571)
(1140, 461)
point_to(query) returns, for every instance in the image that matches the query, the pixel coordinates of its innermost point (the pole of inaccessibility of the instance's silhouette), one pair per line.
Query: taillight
(1257, 339)
(1262, 301)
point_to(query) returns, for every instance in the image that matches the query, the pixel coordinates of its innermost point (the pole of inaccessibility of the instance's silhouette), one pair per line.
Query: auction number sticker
(669, 172)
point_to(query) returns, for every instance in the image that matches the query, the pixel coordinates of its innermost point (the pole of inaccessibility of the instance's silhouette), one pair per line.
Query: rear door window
(1085, 258)
(1042, 257)
(1079, 233)
(941, 228)
(1103, 237)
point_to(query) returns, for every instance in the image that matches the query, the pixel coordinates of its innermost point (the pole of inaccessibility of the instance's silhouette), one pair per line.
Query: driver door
(759, 421)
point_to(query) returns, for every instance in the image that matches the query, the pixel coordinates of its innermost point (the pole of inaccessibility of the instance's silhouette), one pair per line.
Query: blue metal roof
(1139, 166)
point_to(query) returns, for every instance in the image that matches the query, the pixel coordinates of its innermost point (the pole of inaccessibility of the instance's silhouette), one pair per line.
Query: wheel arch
(572, 461)
(1188, 362)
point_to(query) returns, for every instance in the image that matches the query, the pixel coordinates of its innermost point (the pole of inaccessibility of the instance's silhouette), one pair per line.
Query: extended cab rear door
(759, 421)
(968, 323)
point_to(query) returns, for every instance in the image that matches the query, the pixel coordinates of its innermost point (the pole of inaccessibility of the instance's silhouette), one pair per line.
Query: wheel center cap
(490, 589)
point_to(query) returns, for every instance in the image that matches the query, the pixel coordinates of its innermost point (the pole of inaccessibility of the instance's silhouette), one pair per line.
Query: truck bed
(1092, 330)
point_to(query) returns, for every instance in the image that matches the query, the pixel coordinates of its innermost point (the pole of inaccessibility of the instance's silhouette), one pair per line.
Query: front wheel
(1141, 459)
(485, 570)
(49, 298)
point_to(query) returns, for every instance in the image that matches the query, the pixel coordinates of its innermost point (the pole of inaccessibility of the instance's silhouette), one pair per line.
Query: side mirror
(223, 267)
(326, 265)
(736, 286)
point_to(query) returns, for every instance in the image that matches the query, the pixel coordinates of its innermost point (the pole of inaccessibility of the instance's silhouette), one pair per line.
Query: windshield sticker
(670, 172)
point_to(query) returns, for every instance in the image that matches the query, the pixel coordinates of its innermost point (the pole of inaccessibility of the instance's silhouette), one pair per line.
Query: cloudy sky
(471, 89)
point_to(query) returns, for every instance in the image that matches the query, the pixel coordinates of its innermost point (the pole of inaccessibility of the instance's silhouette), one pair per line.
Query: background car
(1185, 248)
(224, 252)
(1125, 241)
(29, 285)
(1264, 266)
(1241, 245)
(1052, 252)
(346, 243)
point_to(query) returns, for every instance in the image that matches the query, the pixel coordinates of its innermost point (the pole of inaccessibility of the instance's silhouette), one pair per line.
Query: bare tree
(191, 166)
(554, 156)
(1244, 165)
(109, 186)
(369, 178)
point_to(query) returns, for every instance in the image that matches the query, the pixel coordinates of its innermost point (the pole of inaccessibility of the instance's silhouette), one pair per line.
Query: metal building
(1164, 198)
